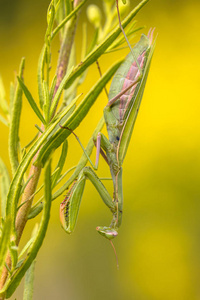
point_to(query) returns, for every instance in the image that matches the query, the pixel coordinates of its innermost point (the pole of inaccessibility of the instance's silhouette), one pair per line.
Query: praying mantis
(120, 113)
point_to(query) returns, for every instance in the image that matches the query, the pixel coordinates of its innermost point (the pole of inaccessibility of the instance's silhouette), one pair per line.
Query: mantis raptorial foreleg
(120, 114)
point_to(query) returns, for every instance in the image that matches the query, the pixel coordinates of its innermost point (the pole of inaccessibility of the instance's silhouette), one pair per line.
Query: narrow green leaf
(38, 128)
(60, 11)
(60, 164)
(84, 41)
(68, 6)
(12, 97)
(19, 264)
(31, 101)
(4, 242)
(31, 142)
(14, 254)
(28, 284)
(53, 84)
(3, 120)
(36, 210)
(3, 102)
(18, 275)
(94, 41)
(30, 241)
(4, 183)
(15, 122)
(59, 92)
(47, 103)
(40, 75)
(71, 92)
(50, 21)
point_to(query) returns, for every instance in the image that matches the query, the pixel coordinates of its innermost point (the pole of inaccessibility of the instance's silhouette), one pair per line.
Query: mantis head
(107, 232)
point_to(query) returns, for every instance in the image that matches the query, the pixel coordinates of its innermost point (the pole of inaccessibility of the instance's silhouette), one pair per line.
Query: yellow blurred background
(158, 246)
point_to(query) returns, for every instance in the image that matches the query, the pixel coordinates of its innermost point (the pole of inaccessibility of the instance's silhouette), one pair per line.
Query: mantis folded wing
(125, 96)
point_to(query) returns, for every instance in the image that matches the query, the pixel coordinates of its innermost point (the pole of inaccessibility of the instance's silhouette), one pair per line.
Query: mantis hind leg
(69, 208)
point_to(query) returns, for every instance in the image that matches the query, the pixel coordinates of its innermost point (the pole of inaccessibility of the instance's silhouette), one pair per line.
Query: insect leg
(69, 208)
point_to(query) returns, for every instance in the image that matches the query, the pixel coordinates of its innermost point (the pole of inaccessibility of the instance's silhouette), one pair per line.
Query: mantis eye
(107, 232)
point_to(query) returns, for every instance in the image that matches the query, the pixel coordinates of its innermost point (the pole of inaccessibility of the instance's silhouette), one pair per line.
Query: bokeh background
(158, 245)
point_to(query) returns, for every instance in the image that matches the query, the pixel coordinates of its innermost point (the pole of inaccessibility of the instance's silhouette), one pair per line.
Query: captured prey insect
(120, 113)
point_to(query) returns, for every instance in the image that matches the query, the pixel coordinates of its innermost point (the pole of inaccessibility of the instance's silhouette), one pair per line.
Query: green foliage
(52, 109)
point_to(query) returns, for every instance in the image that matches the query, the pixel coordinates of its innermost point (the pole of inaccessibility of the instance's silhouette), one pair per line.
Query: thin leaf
(3, 120)
(61, 163)
(94, 41)
(84, 41)
(4, 183)
(60, 11)
(40, 75)
(28, 284)
(19, 264)
(50, 21)
(4, 242)
(59, 91)
(31, 142)
(53, 84)
(47, 103)
(71, 92)
(31, 101)
(14, 255)
(38, 128)
(3, 102)
(36, 210)
(15, 122)
(12, 97)
(68, 6)
(28, 244)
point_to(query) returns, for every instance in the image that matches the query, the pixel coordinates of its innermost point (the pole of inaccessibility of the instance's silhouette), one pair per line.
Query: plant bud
(123, 6)
(94, 15)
